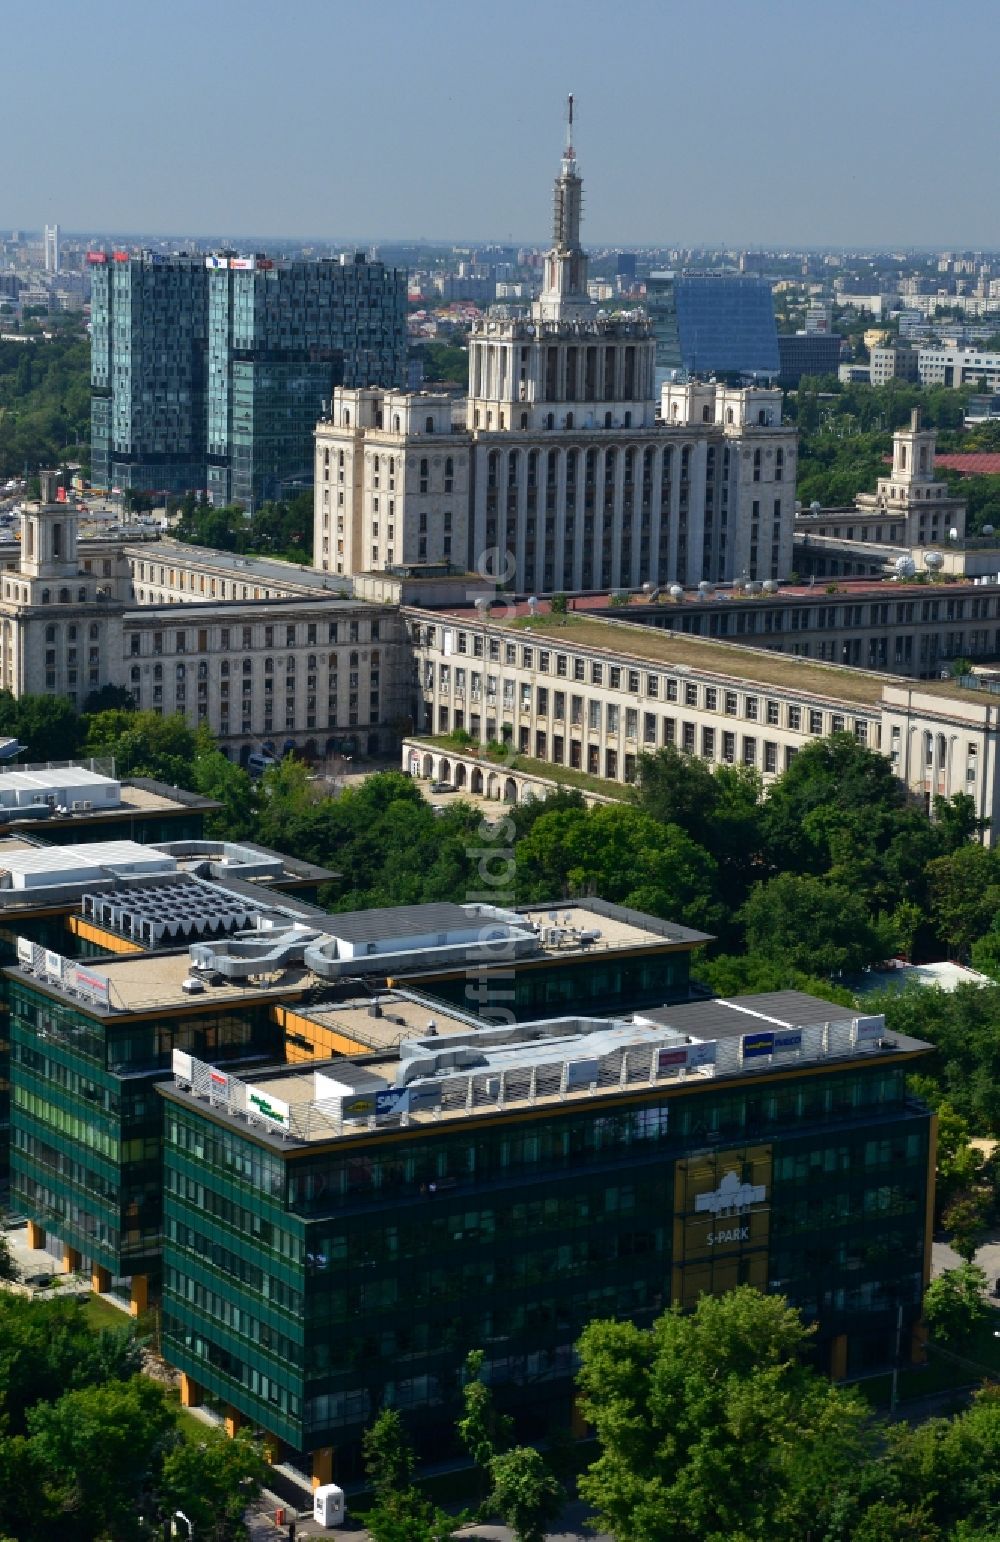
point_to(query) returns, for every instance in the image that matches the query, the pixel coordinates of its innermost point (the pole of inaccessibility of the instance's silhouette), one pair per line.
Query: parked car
(442, 787)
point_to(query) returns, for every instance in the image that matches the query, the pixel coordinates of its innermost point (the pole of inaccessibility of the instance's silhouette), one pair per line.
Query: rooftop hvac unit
(82, 805)
(192, 987)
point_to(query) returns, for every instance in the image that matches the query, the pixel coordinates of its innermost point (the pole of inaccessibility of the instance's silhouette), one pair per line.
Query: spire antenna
(569, 124)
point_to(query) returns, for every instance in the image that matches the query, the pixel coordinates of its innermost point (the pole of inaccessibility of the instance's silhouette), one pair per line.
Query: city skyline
(441, 128)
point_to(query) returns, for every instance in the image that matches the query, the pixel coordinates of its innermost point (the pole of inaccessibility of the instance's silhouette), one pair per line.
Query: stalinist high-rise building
(574, 475)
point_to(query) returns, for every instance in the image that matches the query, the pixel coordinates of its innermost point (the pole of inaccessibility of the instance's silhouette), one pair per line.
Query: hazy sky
(850, 122)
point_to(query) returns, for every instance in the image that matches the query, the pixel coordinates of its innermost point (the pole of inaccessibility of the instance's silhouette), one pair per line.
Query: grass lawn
(101, 1314)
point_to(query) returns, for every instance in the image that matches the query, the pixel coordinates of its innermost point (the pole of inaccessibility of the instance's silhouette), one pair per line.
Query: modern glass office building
(282, 334)
(337, 1239)
(713, 324)
(210, 373)
(148, 361)
(86, 1126)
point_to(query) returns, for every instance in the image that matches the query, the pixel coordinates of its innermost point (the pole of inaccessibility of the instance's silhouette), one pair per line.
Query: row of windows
(594, 713)
(220, 639)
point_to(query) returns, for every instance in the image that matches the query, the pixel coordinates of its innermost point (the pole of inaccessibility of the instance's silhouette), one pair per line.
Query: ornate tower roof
(564, 294)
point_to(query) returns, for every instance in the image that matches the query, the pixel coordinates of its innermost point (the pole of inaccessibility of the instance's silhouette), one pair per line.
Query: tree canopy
(711, 1426)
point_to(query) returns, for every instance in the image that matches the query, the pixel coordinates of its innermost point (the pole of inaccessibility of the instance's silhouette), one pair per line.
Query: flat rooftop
(729, 661)
(146, 982)
(298, 578)
(479, 1071)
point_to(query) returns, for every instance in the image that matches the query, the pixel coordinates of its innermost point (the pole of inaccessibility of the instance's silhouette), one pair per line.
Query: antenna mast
(569, 126)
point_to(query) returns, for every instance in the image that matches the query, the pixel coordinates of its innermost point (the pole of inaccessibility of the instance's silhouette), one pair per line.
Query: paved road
(988, 1258)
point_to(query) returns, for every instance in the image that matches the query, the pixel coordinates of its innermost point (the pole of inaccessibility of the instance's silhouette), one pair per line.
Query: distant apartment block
(958, 367)
(891, 361)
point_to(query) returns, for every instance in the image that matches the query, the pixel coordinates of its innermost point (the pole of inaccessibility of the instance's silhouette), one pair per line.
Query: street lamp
(180, 1516)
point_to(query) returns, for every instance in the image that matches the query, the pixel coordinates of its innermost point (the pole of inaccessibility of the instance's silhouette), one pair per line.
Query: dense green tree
(740, 974)
(623, 855)
(483, 1431)
(388, 1455)
(215, 776)
(711, 1427)
(813, 926)
(400, 1513)
(954, 1304)
(45, 399)
(966, 1220)
(964, 1026)
(9, 1270)
(835, 789)
(950, 1467)
(101, 1449)
(47, 726)
(145, 744)
(47, 1348)
(526, 1492)
(213, 1480)
(964, 889)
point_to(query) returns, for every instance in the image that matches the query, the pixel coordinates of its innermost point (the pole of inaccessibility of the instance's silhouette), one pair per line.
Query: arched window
(157, 671)
(134, 674)
(705, 414)
(550, 421)
(269, 666)
(50, 634)
(247, 667)
(729, 414)
(762, 417)
(569, 420)
(347, 419)
(607, 420)
(395, 423)
(902, 457)
(179, 671)
(224, 669)
(95, 632)
(45, 596)
(81, 595)
(923, 457)
(354, 661)
(64, 596)
(524, 420)
(429, 425)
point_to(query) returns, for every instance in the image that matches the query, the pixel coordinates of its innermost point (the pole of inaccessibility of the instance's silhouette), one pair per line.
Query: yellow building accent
(71, 1259)
(322, 1466)
(139, 1299)
(100, 1279)
(234, 1422)
(191, 1394)
(722, 1223)
(838, 1358)
(110, 942)
(326, 1043)
(36, 1235)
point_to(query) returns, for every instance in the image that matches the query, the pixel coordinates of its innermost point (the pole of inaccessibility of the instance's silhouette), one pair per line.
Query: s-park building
(337, 1236)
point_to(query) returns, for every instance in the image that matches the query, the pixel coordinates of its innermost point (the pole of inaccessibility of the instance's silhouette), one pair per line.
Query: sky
(855, 123)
